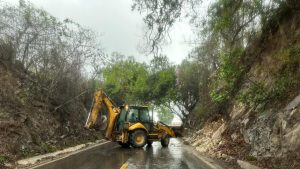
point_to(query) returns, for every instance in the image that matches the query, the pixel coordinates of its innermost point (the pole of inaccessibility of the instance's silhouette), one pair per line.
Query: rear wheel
(138, 139)
(165, 140)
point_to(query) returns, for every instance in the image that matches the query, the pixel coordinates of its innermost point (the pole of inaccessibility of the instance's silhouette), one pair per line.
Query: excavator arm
(101, 99)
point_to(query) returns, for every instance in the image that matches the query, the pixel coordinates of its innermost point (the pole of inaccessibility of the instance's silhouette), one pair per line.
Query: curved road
(112, 156)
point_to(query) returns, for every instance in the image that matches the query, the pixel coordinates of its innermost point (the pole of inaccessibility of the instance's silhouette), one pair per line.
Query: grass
(3, 159)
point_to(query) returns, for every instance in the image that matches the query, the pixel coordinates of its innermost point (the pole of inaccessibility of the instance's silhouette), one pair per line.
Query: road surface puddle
(156, 156)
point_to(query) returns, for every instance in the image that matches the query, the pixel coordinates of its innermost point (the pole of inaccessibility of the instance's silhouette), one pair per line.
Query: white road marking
(67, 155)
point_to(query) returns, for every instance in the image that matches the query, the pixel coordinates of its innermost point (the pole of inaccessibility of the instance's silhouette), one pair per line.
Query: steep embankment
(30, 126)
(264, 115)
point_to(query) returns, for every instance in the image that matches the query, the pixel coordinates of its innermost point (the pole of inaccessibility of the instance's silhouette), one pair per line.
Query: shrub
(3, 159)
(229, 72)
(286, 81)
(254, 95)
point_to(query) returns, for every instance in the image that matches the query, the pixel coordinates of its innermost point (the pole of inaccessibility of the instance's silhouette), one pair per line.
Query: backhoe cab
(129, 125)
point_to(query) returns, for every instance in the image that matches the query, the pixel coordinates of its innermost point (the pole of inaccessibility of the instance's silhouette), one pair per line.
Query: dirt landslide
(29, 126)
(248, 144)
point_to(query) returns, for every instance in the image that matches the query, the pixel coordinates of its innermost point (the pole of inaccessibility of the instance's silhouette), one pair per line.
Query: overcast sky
(120, 28)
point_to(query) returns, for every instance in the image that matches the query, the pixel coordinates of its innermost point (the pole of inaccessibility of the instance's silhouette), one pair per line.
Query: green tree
(164, 114)
(161, 81)
(125, 80)
(160, 63)
(188, 88)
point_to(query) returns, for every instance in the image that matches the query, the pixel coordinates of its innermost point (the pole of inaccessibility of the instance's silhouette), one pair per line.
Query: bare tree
(57, 53)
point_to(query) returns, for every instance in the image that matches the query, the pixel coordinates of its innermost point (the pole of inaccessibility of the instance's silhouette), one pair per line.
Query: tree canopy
(127, 80)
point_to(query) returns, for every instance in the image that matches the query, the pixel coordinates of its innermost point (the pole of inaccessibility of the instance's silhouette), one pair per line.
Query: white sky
(120, 29)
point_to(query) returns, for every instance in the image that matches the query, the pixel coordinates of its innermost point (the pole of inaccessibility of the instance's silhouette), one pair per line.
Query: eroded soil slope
(29, 124)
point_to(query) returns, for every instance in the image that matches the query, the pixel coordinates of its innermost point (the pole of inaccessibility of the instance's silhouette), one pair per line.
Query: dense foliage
(212, 74)
(127, 80)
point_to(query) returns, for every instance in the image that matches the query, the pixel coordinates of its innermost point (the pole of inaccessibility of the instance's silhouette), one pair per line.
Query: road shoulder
(207, 162)
(38, 161)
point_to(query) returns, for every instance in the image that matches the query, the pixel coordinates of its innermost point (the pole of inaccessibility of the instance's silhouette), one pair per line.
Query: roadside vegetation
(228, 33)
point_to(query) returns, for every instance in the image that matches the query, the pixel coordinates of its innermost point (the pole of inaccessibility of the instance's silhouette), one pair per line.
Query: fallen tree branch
(58, 107)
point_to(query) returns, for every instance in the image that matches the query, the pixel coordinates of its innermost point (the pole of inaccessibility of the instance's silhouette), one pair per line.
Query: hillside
(29, 125)
(263, 126)
(44, 90)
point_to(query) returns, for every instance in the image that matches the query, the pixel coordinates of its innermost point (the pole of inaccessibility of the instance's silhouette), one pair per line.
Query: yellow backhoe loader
(128, 125)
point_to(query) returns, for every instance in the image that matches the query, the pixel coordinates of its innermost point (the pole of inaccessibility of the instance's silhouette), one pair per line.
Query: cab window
(133, 115)
(144, 115)
(121, 120)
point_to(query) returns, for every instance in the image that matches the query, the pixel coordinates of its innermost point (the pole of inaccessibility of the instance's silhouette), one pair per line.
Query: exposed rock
(234, 136)
(217, 135)
(238, 110)
(246, 165)
(8, 165)
(271, 134)
(274, 133)
(294, 104)
(199, 132)
(292, 139)
(258, 136)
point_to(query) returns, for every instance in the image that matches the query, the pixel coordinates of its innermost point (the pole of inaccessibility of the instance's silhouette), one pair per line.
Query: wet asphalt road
(112, 156)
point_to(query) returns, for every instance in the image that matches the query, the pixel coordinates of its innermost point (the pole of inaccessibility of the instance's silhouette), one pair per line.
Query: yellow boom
(128, 125)
(100, 98)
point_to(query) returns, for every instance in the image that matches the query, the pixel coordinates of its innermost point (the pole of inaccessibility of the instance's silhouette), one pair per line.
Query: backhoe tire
(138, 138)
(124, 145)
(165, 140)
